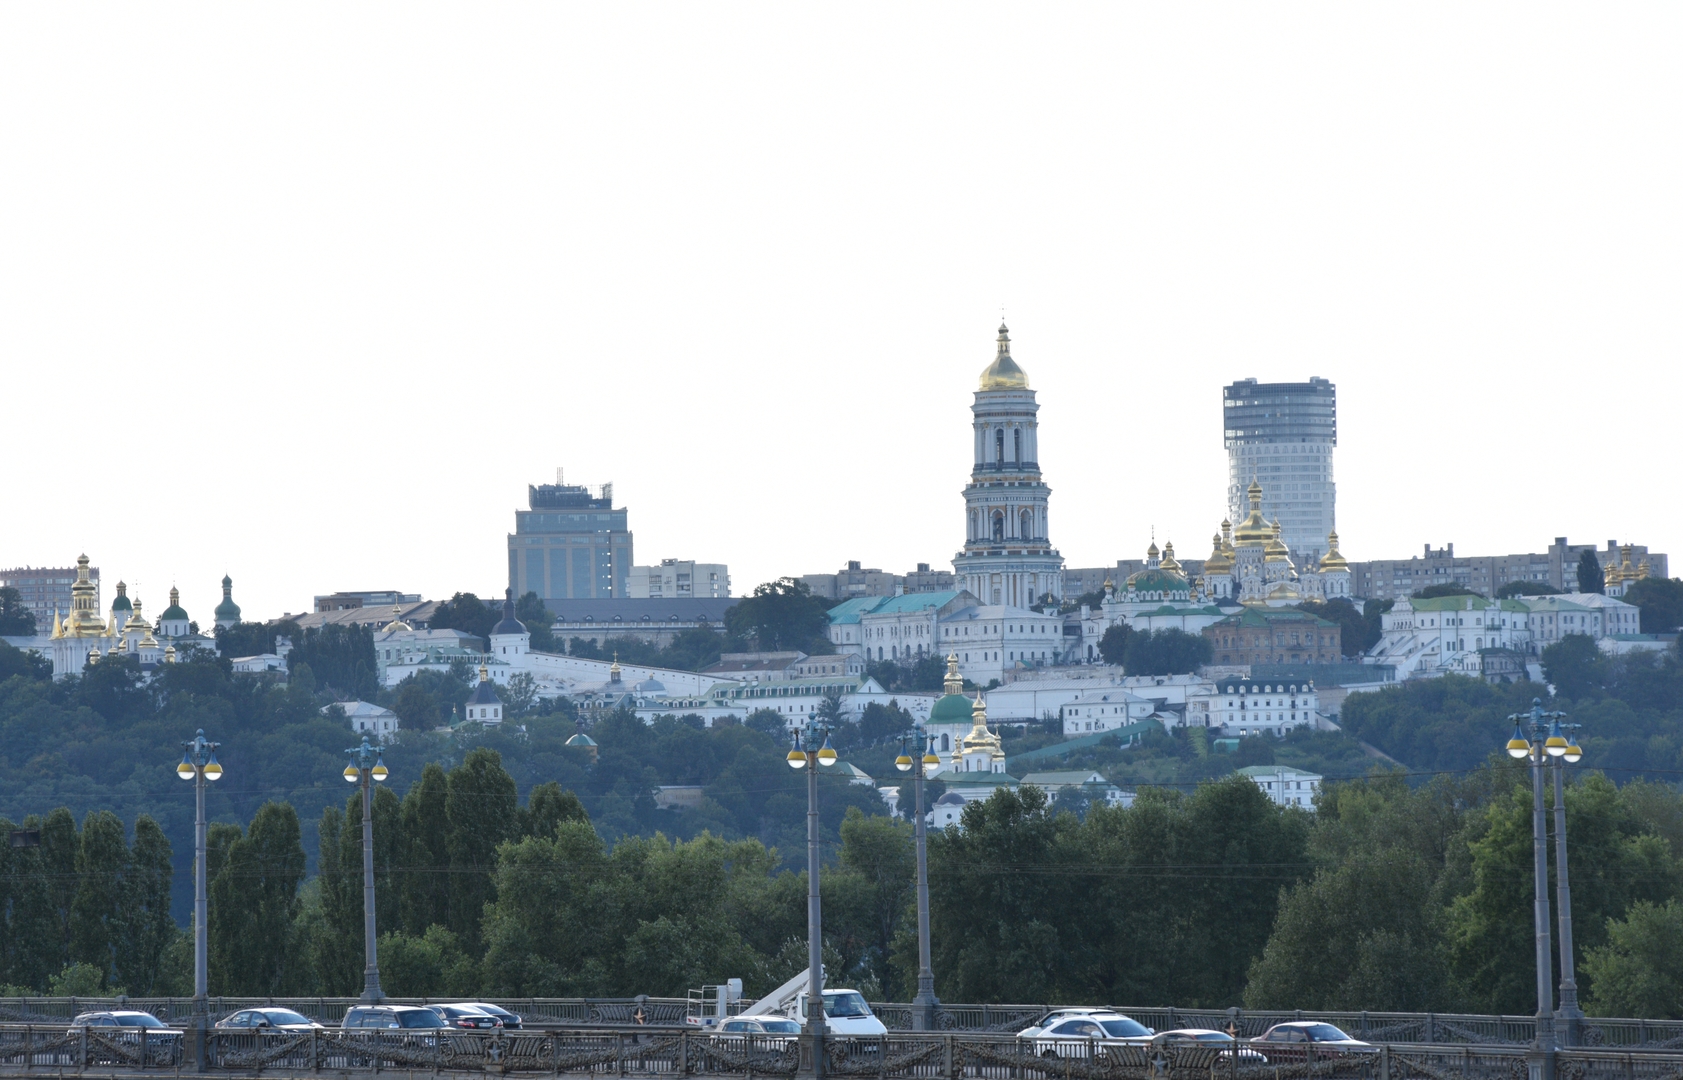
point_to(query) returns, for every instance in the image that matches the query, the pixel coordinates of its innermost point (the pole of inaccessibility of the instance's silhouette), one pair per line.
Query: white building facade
(678, 577)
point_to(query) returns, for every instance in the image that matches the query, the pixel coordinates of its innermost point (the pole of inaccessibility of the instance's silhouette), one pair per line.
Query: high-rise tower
(1283, 435)
(1007, 558)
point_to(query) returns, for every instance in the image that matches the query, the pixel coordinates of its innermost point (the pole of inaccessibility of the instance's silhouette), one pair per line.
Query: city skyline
(772, 358)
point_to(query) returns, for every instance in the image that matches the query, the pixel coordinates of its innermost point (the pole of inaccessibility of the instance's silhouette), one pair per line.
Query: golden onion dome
(1275, 549)
(1003, 373)
(1219, 561)
(1151, 553)
(397, 622)
(1169, 562)
(1332, 560)
(1254, 531)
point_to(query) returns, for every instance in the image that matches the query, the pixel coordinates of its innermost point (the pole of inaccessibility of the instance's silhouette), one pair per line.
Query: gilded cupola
(1003, 373)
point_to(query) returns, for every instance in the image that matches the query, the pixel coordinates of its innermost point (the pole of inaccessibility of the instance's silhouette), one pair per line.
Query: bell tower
(1007, 556)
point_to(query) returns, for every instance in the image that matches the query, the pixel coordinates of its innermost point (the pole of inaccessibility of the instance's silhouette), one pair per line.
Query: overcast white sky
(310, 292)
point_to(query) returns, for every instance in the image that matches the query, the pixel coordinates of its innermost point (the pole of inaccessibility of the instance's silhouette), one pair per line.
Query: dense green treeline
(1389, 897)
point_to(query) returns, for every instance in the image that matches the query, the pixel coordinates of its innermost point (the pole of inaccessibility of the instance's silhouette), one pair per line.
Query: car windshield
(1326, 1033)
(1213, 1036)
(782, 1027)
(145, 1020)
(283, 1016)
(845, 1003)
(419, 1018)
(1123, 1028)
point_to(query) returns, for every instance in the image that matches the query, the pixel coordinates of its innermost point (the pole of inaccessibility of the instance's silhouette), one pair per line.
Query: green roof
(1157, 580)
(951, 709)
(849, 610)
(121, 603)
(173, 613)
(227, 609)
(1265, 616)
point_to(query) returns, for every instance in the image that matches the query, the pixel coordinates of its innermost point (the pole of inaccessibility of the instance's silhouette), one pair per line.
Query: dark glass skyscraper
(569, 544)
(1283, 435)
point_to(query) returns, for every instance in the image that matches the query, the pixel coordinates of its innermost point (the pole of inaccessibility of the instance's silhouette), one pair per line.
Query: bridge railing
(680, 1051)
(1424, 1028)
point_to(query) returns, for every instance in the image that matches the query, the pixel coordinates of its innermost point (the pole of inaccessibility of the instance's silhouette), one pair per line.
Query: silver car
(1078, 1033)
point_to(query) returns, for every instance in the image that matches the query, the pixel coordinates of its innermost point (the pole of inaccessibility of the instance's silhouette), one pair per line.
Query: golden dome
(1643, 571)
(954, 682)
(1003, 373)
(613, 669)
(980, 739)
(1219, 561)
(1151, 552)
(1332, 560)
(1254, 531)
(84, 615)
(137, 623)
(397, 622)
(1169, 562)
(1283, 590)
(1275, 549)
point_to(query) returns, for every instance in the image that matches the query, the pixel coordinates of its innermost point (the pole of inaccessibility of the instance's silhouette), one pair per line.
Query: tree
(1590, 578)
(1525, 588)
(468, 613)
(865, 898)
(1432, 592)
(340, 657)
(532, 612)
(1661, 603)
(1576, 665)
(433, 964)
(1639, 971)
(416, 707)
(520, 694)
(96, 912)
(1352, 623)
(424, 887)
(1165, 652)
(481, 807)
(23, 662)
(1114, 645)
(147, 930)
(254, 899)
(16, 620)
(1373, 611)
(782, 614)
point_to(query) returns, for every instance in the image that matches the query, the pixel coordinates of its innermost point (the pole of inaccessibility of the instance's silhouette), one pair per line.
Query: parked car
(760, 1031)
(1077, 1032)
(1219, 1039)
(257, 1019)
(125, 1027)
(511, 1021)
(1298, 1040)
(466, 1016)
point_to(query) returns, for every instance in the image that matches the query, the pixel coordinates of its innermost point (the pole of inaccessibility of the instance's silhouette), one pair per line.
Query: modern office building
(1283, 435)
(678, 577)
(1007, 557)
(45, 590)
(569, 544)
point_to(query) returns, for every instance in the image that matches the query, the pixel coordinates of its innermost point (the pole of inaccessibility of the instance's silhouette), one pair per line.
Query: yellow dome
(1169, 562)
(1003, 373)
(1254, 531)
(1275, 549)
(397, 622)
(1332, 560)
(1219, 562)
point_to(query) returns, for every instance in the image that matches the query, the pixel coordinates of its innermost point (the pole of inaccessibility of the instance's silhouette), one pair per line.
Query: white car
(1075, 1033)
(846, 1013)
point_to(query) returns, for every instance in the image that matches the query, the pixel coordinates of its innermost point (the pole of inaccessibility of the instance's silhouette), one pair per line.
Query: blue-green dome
(951, 709)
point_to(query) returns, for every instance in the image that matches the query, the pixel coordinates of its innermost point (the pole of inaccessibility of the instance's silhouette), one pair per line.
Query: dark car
(511, 1021)
(266, 1019)
(1303, 1040)
(126, 1028)
(466, 1016)
(403, 1017)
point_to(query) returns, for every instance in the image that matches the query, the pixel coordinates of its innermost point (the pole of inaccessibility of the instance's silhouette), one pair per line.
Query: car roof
(1192, 1031)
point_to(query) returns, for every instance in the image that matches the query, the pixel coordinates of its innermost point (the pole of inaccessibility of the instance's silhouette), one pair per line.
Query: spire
(614, 672)
(484, 673)
(58, 624)
(508, 603)
(955, 681)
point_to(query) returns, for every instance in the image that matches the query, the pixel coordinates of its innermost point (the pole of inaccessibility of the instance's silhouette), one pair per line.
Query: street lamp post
(1568, 1018)
(199, 764)
(801, 757)
(1544, 741)
(925, 1002)
(368, 765)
